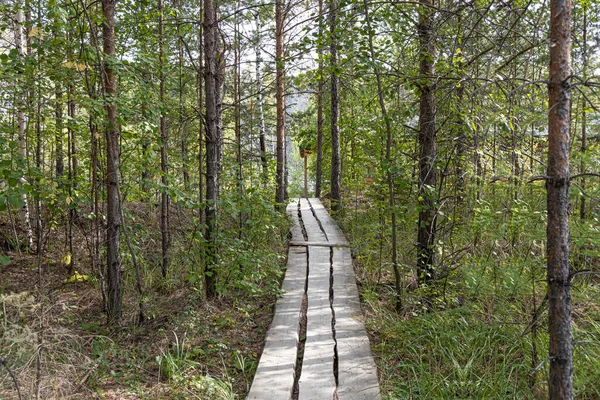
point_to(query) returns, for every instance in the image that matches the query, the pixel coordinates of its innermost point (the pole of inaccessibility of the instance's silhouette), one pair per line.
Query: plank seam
(301, 334)
(317, 244)
(318, 220)
(333, 321)
(301, 221)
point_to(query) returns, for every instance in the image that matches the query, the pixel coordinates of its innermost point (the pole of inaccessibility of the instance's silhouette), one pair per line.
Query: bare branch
(4, 363)
(532, 373)
(538, 178)
(583, 272)
(597, 175)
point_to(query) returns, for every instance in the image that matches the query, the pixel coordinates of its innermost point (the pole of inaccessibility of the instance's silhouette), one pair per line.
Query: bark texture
(164, 197)
(202, 130)
(259, 104)
(280, 100)
(557, 187)
(583, 147)
(336, 166)
(73, 170)
(58, 140)
(319, 167)
(427, 146)
(212, 140)
(113, 206)
(21, 122)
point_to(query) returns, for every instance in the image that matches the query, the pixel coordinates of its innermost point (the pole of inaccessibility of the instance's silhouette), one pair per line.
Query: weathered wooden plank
(317, 381)
(357, 373)
(333, 232)
(274, 378)
(325, 244)
(313, 230)
(296, 230)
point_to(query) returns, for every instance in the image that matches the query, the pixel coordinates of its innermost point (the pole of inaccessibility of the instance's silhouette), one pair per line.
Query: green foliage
(253, 232)
(461, 337)
(13, 169)
(454, 355)
(174, 361)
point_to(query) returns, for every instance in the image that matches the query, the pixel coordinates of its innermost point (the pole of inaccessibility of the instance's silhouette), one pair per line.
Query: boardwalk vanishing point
(317, 347)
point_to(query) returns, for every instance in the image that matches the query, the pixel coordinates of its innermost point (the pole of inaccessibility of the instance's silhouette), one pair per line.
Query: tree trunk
(113, 206)
(319, 166)
(37, 92)
(583, 116)
(335, 104)
(95, 166)
(21, 124)
(219, 94)
(201, 125)
(212, 141)
(145, 177)
(72, 110)
(238, 121)
(73, 171)
(182, 130)
(388, 157)
(459, 128)
(427, 146)
(58, 140)
(280, 100)
(201, 133)
(557, 187)
(259, 102)
(164, 197)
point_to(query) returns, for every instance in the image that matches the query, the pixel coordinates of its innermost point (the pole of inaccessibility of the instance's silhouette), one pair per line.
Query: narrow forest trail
(317, 347)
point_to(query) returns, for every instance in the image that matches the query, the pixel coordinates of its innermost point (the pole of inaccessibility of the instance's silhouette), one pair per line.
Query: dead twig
(4, 363)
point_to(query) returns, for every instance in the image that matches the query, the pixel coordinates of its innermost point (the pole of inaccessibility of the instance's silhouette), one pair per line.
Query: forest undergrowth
(480, 330)
(53, 328)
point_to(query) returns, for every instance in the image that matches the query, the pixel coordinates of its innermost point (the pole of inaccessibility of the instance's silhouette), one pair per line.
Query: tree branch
(583, 272)
(4, 363)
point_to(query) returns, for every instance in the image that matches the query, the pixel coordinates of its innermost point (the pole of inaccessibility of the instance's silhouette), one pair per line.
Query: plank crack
(302, 226)
(302, 333)
(335, 346)
(318, 220)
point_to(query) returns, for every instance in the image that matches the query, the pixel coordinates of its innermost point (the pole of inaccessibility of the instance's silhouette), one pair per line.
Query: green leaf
(16, 202)
(4, 259)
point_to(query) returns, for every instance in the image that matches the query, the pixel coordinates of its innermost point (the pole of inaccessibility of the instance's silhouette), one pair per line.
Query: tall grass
(480, 330)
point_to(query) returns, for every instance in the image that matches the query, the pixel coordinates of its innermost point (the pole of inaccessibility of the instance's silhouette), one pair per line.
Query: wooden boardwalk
(320, 289)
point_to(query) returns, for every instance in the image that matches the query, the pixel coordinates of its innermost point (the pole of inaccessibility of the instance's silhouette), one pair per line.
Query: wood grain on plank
(317, 381)
(274, 378)
(357, 373)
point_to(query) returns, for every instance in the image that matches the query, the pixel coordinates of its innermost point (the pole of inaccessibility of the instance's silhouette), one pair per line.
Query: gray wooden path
(336, 362)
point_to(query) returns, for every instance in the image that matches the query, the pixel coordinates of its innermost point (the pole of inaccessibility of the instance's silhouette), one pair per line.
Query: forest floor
(479, 332)
(54, 337)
